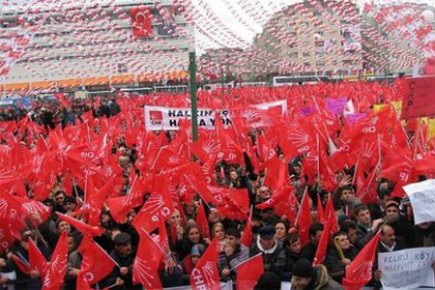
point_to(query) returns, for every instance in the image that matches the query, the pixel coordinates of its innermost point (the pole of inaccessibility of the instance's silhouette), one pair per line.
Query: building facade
(83, 46)
(313, 38)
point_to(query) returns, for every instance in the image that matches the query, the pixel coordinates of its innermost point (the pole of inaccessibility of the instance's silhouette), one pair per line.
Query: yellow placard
(431, 128)
(397, 106)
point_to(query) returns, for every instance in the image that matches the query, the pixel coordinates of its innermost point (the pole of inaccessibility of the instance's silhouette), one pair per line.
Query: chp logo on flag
(156, 117)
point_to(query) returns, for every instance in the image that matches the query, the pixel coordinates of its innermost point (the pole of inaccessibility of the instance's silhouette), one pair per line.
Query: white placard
(166, 118)
(422, 197)
(407, 269)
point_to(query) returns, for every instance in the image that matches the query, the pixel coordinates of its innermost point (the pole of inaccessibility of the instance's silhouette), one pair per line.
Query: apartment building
(78, 45)
(310, 38)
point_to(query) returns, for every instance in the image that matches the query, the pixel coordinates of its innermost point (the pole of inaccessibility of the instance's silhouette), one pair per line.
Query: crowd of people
(50, 114)
(101, 167)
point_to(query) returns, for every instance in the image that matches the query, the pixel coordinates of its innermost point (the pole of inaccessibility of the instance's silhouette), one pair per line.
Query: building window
(122, 68)
(320, 53)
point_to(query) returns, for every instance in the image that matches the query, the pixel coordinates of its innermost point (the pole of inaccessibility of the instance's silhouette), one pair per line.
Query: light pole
(193, 99)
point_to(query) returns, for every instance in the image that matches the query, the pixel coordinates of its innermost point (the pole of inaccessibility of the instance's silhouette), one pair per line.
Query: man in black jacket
(309, 250)
(305, 276)
(366, 228)
(273, 252)
(123, 254)
(293, 252)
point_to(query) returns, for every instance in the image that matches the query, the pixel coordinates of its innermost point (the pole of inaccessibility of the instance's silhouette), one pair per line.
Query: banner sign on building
(166, 118)
(407, 269)
(418, 101)
(351, 38)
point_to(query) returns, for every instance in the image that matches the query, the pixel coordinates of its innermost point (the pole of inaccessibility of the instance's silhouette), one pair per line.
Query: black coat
(273, 262)
(309, 251)
(333, 263)
(122, 262)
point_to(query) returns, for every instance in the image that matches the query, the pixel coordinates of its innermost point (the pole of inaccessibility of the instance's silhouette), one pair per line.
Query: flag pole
(193, 99)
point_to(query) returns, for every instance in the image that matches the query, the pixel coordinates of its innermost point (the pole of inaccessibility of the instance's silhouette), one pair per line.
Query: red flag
(31, 206)
(249, 271)
(320, 214)
(120, 206)
(158, 206)
(205, 275)
(415, 103)
(341, 157)
(202, 221)
(57, 267)
(12, 222)
(359, 272)
(324, 241)
(287, 208)
(94, 200)
(147, 262)
(141, 22)
(196, 181)
(234, 202)
(332, 217)
(430, 66)
(276, 173)
(247, 233)
(82, 282)
(367, 193)
(62, 100)
(281, 194)
(37, 261)
(303, 219)
(204, 148)
(264, 149)
(96, 263)
(24, 266)
(81, 226)
(163, 240)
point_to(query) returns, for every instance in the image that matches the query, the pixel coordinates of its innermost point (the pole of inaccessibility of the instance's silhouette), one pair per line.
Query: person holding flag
(123, 254)
(309, 251)
(233, 254)
(340, 255)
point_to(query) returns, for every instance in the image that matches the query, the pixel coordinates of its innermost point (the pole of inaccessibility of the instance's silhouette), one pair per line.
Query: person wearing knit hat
(392, 211)
(305, 276)
(268, 281)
